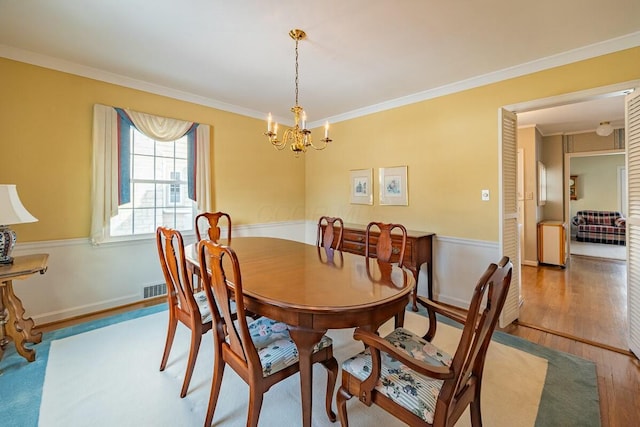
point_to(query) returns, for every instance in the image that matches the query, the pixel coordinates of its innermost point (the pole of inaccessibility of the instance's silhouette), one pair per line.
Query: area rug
(109, 376)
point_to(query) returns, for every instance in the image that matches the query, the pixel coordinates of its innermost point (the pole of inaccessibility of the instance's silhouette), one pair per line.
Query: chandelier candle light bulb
(299, 137)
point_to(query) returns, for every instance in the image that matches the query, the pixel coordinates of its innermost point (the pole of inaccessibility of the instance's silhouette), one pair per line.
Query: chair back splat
(415, 381)
(384, 244)
(207, 225)
(329, 233)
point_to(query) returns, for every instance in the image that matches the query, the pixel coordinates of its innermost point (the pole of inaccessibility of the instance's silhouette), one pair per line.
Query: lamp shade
(11, 209)
(605, 129)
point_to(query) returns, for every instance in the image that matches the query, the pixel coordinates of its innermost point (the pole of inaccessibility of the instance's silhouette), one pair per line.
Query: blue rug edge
(26, 387)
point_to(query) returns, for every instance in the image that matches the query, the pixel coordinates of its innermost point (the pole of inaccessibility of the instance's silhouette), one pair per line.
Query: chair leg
(196, 337)
(332, 375)
(341, 401)
(476, 415)
(255, 404)
(171, 333)
(216, 383)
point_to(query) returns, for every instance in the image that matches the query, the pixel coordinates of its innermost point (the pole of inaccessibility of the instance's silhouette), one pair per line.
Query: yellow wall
(46, 149)
(597, 183)
(450, 145)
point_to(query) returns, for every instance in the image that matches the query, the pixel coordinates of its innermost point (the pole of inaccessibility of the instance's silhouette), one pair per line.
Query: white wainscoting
(82, 278)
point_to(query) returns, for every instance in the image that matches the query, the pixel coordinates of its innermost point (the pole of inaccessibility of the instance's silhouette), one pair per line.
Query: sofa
(600, 227)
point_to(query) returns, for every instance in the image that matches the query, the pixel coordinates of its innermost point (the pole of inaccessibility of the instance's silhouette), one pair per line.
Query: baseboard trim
(82, 318)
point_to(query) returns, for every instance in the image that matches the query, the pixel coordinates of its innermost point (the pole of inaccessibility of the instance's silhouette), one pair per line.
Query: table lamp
(11, 212)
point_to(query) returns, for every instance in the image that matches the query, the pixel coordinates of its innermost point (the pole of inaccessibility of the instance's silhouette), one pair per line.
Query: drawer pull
(395, 251)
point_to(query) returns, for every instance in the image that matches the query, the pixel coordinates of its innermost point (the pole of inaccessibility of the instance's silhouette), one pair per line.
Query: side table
(12, 325)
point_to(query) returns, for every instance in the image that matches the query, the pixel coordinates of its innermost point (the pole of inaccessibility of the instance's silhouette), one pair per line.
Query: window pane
(167, 193)
(122, 224)
(165, 149)
(144, 221)
(142, 144)
(142, 167)
(164, 168)
(144, 195)
(181, 148)
(181, 168)
(184, 218)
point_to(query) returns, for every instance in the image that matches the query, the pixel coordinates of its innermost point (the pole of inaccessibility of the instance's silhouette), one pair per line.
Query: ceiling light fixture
(605, 129)
(298, 137)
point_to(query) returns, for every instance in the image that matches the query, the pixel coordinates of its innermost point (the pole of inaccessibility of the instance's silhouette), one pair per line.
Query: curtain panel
(111, 160)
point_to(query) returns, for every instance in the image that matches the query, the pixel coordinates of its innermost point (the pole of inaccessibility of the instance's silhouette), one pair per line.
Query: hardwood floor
(586, 302)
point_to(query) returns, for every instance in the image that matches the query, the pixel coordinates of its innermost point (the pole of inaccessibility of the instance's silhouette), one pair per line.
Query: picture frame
(393, 185)
(361, 186)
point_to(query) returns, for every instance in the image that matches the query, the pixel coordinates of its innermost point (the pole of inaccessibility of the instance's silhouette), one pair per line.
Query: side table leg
(414, 293)
(16, 327)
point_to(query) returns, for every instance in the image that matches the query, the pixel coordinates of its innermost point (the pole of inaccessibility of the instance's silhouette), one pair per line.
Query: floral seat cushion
(275, 346)
(416, 393)
(203, 305)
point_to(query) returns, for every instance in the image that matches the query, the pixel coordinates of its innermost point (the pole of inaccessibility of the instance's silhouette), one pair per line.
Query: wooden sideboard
(419, 250)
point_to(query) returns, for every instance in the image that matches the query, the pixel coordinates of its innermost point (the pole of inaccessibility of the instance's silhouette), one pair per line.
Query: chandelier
(298, 137)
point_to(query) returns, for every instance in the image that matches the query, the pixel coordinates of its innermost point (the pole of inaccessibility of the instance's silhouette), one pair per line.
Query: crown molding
(602, 48)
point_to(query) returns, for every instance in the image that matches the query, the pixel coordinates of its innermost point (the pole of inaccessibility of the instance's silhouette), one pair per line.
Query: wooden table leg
(16, 327)
(305, 339)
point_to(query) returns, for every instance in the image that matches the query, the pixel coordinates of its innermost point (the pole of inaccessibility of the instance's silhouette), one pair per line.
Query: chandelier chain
(296, 71)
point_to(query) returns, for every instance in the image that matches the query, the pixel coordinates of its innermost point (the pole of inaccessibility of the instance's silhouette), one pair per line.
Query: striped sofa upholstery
(600, 227)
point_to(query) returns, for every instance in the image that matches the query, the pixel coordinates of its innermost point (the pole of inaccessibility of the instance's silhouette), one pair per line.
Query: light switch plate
(485, 195)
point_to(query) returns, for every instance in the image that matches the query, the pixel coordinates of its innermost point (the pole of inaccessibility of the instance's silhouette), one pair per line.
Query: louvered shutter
(508, 158)
(632, 126)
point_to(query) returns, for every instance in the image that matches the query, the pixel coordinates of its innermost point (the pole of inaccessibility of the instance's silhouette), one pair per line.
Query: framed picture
(393, 186)
(361, 186)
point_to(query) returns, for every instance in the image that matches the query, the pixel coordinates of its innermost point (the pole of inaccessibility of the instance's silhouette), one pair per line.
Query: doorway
(599, 184)
(573, 267)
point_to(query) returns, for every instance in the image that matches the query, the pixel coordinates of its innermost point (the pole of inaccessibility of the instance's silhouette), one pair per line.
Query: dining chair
(417, 382)
(384, 243)
(261, 352)
(207, 226)
(189, 308)
(329, 235)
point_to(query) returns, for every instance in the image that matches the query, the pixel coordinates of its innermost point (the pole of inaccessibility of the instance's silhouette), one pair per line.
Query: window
(147, 171)
(155, 187)
(542, 184)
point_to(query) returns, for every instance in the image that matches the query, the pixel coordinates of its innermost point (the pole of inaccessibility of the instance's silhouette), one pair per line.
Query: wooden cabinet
(419, 250)
(552, 243)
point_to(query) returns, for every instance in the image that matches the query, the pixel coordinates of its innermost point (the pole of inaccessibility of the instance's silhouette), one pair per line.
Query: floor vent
(154, 290)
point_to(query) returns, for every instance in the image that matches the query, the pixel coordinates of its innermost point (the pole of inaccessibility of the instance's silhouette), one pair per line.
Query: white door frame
(554, 101)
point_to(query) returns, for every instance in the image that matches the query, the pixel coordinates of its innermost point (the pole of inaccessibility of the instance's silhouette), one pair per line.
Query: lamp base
(7, 242)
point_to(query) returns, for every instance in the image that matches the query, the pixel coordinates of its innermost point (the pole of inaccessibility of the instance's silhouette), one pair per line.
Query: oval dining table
(313, 290)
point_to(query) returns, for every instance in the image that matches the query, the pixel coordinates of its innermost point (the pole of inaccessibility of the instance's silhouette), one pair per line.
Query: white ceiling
(360, 56)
